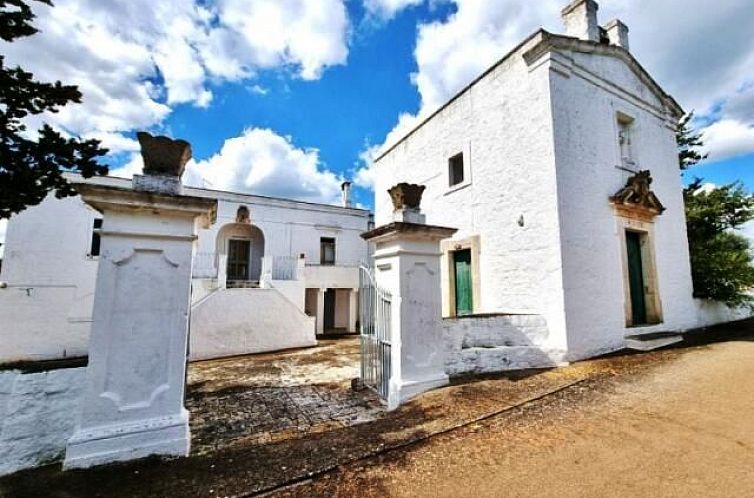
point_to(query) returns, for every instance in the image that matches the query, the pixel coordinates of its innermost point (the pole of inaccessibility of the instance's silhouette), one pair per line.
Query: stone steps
(654, 340)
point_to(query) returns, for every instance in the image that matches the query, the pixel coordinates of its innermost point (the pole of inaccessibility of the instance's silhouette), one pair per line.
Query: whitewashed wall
(45, 312)
(586, 100)
(292, 228)
(37, 415)
(503, 126)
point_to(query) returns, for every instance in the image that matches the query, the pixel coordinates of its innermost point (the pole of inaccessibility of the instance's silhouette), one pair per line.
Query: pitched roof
(549, 41)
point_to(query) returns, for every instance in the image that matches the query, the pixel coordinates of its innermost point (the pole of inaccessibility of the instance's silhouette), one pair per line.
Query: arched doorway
(240, 248)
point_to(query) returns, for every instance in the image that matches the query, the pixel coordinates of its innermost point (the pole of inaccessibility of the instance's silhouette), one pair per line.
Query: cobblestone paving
(266, 398)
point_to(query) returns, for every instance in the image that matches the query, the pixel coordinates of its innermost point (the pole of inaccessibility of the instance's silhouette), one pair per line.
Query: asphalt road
(684, 428)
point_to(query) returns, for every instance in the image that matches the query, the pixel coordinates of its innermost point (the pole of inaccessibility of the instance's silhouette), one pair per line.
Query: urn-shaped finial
(406, 196)
(163, 155)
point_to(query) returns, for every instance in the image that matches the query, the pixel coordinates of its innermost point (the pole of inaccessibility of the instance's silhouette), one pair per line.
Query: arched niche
(242, 244)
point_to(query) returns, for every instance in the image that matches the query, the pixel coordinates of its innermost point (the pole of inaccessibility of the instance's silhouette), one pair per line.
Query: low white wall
(713, 313)
(242, 321)
(42, 322)
(494, 343)
(37, 415)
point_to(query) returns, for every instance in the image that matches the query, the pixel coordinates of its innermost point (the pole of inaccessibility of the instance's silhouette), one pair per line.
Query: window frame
(324, 242)
(95, 240)
(465, 153)
(453, 170)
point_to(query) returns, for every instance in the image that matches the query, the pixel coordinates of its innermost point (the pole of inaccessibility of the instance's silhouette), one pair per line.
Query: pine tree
(689, 143)
(722, 265)
(32, 167)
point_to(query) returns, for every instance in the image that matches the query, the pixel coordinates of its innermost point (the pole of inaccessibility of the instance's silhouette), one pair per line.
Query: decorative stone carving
(242, 215)
(637, 195)
(163, 155)
(406, 196)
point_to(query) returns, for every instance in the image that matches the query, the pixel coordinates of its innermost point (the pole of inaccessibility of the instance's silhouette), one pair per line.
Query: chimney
(345, 187)
(617, 33)
(580, 20)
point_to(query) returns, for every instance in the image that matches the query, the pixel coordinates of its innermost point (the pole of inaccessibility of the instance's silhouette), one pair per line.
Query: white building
(526, 162)
(269, 274)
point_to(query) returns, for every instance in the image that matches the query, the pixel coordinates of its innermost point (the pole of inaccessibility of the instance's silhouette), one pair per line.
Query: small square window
(327, 251)
(95, 243)
(455, 170)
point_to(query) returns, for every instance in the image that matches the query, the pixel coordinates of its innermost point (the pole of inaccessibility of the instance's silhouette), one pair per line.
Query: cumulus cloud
(133, 61)
(728, 138)
(387, 9)
(261, 162)
(365, 174)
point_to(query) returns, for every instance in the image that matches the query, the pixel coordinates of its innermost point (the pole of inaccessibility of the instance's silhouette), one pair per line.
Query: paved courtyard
(271, 397)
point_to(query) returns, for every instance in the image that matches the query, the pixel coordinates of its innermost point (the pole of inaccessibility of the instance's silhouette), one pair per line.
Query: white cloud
(259, 90)
(134, 166)
(133, 61)
(364, 175)
(264, 163)
(728, 138)
(271, 33)
(387, 9)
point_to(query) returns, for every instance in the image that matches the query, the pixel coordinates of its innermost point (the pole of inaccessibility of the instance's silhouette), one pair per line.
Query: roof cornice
(549, 42)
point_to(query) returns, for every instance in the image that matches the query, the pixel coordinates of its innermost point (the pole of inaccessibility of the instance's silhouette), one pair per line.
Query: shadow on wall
(479, 344)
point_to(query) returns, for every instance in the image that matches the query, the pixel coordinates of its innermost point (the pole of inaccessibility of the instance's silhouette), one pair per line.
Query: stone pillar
(407, 264)
(321, 311)
(353, 309)
(132, 405)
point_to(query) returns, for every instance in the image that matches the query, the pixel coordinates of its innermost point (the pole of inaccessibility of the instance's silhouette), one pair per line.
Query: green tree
(32, 166)
(689, 143)
(722, 266)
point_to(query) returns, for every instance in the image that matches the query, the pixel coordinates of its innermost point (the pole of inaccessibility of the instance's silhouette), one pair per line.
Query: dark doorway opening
(329, 310)
(238, 260)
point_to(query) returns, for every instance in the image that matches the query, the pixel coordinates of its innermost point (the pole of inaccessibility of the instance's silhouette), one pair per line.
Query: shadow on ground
(251, 467)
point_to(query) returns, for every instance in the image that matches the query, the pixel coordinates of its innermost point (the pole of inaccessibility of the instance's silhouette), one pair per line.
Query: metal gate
(375, 333)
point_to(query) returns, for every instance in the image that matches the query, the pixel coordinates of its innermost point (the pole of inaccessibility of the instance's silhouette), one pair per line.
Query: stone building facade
(269, 274)
(524, 162)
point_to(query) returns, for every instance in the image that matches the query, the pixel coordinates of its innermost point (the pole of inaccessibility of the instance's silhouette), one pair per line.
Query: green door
(462, 266)
(636, 278)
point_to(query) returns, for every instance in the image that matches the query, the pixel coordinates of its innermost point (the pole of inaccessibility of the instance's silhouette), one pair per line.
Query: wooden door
(238, 259)
(636, 279)
(462, 268)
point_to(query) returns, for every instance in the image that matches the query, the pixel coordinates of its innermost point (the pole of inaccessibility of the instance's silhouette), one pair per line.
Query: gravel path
(683, 429)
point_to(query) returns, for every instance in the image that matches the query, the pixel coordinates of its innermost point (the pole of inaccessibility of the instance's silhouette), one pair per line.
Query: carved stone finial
(406, 195)
(163, 155)
(637, 194)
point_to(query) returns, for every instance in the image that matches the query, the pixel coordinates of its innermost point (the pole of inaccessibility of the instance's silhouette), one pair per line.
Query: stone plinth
(132, 405)
(407, 264)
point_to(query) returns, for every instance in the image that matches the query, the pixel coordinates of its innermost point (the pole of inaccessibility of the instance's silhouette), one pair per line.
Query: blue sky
(290, 98)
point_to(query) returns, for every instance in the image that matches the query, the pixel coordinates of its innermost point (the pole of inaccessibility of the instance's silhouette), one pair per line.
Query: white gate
(375, 333)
